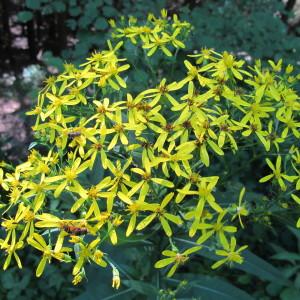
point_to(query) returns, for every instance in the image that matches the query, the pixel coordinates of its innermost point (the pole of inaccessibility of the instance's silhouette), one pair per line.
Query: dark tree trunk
(50, 43)
(39, 23)
(61, 32)
(285, 15)
(31, 35)
(5, 35)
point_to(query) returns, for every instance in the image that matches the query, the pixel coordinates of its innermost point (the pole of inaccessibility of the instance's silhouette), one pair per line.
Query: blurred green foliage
(85, 21)
(248, 28)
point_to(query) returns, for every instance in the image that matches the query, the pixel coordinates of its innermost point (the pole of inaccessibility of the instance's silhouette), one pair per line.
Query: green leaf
(109, 11)
(75, 11)
(84, 21)
(71, 23)
(32, 145)
(273, 288)
(290, 294)
(33, 4)
(286, 256)
(141, 287)
(295, 231)
(25, 16)
(289, 271)
(212, 288)
(7, 279)
(101, 24)
(51, 60)
(47, 9)
(260, 268)
(59, 6)
(133, 239)
(252, 264)
(99, 289)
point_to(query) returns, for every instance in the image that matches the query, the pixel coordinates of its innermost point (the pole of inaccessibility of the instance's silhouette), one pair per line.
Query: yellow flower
(205, 55)
(254, 128)
(241, 210)
(55, 107)
(219, 228)
(205, 187)
(86, 252)
(78, 278)
(297, 200)
(3, 182)
(133, 207)
(173, 38)
(277, 174)
(59, 252)
(291, 124)
(92, 194)
(121, 181)
(112, 225)
(157, 42)
(272, 138)
(119, 129)
(228, 66)
(55, 129)
(11, 252)
(147, 150)
(104, 110)
(146, 180)
(116, 160)
(176, 258)
(46, 220)
(193, 179)
(11, 225)
(163, 89)
(112, 23)
(276, 67)
(201, 142)
(69, 176)
(111, 71)
(79, 136)
(193, 73)
(163, 216)
(231, 254)
(116, 282)
(38, 191)
(181, 155)
(257, 110)
(178, 24)
(296, 156)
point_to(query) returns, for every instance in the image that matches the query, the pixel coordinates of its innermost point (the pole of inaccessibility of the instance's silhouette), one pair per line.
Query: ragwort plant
(153, 150)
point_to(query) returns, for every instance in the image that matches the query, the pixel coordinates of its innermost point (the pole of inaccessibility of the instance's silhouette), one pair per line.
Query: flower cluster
(118, 162)
(155, 34)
